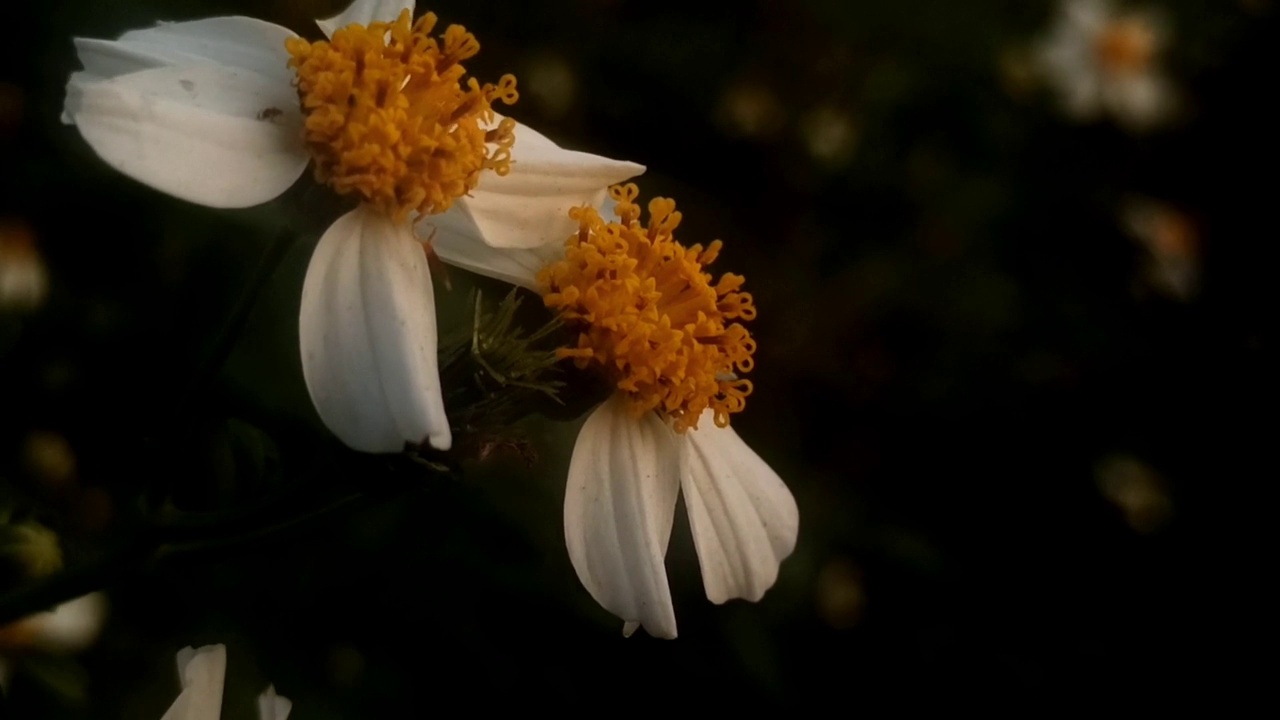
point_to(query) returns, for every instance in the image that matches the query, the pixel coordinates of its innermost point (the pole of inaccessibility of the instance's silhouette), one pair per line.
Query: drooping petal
(744, 518)
(618, 510)
(272, 706)
(368, 334)
(242, 43)
(363, 12)
(530, 206)
(216, 136)
(201, 672)
(456, 240)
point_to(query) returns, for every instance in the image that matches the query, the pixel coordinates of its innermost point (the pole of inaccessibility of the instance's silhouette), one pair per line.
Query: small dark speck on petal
(187, 85)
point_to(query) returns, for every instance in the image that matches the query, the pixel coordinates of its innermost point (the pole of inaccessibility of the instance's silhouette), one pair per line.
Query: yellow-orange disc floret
(390, 117)
(649, 316)
(1126, 46)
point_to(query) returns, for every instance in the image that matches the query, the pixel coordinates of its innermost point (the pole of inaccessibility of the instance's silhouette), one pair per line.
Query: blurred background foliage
(1025, 467)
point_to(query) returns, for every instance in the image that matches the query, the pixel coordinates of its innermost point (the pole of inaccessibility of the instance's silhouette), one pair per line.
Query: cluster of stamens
(390, 115)
(649, 316)
(1126, 46)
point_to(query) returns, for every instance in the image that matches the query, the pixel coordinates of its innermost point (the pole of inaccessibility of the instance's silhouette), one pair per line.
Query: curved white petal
(744, 518)
(216, 136)
(618, 508)
(530, 206)
(73, 625)
(201, 672)
(272, 706)
(235, 42)
(456, 240)
(363, 12)
(367, 329)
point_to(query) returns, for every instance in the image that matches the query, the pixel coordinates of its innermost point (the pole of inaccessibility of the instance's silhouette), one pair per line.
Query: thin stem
(149, 551)
(272, 255)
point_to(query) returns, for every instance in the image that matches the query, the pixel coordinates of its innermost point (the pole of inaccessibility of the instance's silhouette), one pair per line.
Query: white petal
(235, 42)
(363, 12)
(73, 625)
(368, 334)
(457, 241)
(212, 135)
(618, 509)
(743, 517)
(1082, 94)
(1086, 16)
(530, 206)
(272, 706)
(1139, 101)
(201, 672)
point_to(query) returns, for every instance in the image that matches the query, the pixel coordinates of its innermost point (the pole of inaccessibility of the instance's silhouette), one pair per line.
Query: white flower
(228, 112)
(201, 672)
(1101, 59)
(1171, 262)
(653, 321)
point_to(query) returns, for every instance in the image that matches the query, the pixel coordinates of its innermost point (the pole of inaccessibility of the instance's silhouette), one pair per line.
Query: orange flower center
(649, 316)
(390, 115)
(1126, 46)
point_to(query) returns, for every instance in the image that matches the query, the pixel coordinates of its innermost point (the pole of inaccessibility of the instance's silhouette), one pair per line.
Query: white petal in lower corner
(368, 334)
(457, 241)
(216, 136)
(530, 206)
(272, 706)
(618, 509)
(201, 673)
(363, 12)
(744, 518)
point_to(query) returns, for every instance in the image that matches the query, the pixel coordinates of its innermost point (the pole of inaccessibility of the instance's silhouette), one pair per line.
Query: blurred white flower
(655, 323)
(830, 135)
(228, 112)
(1136, 489)
(1171, 265)
(24, 281)
(1102, 59)
(201, 672)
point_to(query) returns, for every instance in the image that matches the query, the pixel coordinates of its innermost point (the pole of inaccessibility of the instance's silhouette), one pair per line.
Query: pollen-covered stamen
(392, 117)
(1126, 46)
(649, 316)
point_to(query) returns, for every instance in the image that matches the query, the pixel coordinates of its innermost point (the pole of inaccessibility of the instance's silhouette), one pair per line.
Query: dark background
(957, 349)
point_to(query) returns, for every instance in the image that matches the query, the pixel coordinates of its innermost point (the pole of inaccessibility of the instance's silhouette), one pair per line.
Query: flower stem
(225, 342)
(150, 549)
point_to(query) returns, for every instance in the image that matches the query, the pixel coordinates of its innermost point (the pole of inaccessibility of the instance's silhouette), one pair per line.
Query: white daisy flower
(201, 672)
(1102, 59)
(655, 323)
(228, 112)
(1171, 263)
